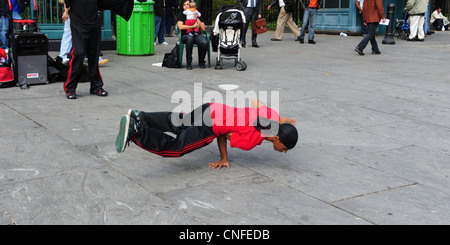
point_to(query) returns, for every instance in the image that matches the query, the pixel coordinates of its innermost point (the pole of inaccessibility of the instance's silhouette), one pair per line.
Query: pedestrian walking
(286, 8)
(373, 13)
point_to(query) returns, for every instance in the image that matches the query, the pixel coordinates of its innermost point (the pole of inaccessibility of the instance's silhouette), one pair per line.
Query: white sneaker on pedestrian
(102, 61)
(165, 43)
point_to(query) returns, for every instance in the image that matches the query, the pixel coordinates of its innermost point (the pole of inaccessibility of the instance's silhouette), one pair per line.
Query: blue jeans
(66, 41)
(160, 29)
(371, 33)
(16, 16)
(4, 21)
(311, 15)
(202, 43)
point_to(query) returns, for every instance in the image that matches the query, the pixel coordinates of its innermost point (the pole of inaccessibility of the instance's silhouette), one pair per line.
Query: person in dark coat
(253, 11)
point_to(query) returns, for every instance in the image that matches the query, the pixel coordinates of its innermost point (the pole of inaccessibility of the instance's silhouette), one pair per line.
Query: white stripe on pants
(416, 26)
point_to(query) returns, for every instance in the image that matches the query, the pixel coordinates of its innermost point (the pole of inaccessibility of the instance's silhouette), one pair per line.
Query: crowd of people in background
(417, 9)
(172, 13)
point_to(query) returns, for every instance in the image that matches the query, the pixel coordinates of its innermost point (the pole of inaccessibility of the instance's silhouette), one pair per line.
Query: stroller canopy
(229, 16)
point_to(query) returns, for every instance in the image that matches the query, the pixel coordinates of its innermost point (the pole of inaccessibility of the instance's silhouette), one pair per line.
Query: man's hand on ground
(288, 120)
(219, 164)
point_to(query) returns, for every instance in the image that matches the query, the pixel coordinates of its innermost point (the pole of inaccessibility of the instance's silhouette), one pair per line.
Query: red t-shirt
(313, 4)
(240, 122)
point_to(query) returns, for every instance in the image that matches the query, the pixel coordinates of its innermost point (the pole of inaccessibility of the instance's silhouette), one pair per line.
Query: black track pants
(192, 130)
(85, 40)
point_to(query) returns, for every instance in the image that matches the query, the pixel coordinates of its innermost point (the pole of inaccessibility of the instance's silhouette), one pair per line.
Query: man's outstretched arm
(257, 104)
(222, 143)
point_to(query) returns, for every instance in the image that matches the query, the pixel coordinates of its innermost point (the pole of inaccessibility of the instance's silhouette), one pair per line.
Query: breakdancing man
(244, 127)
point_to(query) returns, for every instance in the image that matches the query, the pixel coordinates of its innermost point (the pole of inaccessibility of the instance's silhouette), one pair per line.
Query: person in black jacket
(86, 34)
(4, 23)
(252, 10)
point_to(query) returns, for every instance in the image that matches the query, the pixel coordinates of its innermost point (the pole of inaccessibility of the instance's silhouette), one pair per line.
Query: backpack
(171, 60)
(289, 6)
(6, 74)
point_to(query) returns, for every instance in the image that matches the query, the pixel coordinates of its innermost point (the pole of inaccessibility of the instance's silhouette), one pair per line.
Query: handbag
(260, 26)
(171, 59)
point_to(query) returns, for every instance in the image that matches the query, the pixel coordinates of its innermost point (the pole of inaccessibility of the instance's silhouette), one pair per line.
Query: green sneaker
(124, 133)
(133, 114)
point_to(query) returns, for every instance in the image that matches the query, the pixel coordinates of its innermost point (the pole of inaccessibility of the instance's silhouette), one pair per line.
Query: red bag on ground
(6, 77)
(6, 74)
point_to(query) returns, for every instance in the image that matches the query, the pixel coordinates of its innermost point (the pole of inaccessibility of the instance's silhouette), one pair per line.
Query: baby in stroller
(228, 27)
(191, 17)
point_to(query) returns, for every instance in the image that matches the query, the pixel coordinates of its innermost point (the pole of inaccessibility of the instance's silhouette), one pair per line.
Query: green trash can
(137, 36)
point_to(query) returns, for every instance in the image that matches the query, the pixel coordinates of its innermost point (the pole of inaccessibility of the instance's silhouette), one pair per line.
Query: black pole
(389, 37)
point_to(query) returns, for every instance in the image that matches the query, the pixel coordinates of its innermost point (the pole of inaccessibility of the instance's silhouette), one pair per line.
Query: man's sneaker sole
(122, 137)
(133, 114)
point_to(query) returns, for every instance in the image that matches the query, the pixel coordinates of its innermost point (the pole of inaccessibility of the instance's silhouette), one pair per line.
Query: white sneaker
(165, 43)
(102, 61)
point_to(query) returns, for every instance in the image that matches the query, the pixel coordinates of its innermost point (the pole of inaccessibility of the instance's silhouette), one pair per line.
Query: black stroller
(228, 27)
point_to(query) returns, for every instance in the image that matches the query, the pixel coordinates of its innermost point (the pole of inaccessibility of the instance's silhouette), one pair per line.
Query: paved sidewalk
(374, 144)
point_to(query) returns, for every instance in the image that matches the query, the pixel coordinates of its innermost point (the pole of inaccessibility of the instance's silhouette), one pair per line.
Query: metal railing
(48, 12)
(49, 18)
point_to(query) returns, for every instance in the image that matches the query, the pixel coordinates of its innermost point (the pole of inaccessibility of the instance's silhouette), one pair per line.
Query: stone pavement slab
(373, 144)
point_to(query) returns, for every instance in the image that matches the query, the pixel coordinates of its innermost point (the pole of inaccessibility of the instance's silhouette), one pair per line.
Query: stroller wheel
(241, 66)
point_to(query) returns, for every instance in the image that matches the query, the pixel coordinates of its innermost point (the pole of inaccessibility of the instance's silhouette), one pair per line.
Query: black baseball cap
(288, 135)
